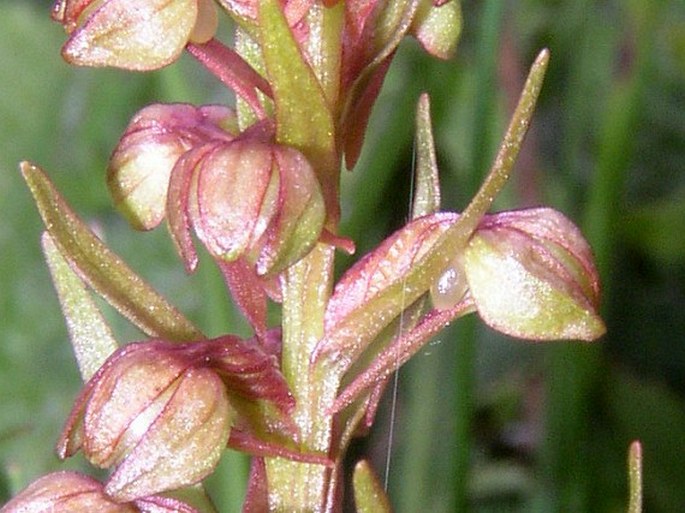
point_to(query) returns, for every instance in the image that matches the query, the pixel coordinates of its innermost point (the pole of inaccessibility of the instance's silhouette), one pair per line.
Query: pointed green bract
(90, 334)
(103, 270)
(635, 477)
(303, 116)
(427, 182)
(369, 496)
(509, 149)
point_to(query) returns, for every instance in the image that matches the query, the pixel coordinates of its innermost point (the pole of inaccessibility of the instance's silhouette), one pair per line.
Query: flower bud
(245, 197)
(139, 170)
(132, 34)
(531, 275)
(155, 415)
(256, 200)
(65, 491)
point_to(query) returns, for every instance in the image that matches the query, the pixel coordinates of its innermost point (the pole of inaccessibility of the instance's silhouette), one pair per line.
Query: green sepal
(515, 300)
(438, 27)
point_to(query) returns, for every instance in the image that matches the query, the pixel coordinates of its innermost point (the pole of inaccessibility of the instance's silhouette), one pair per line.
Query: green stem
(293, 486)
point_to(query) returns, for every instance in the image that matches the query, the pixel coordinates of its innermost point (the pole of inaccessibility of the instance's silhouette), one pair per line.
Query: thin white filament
(396, 374)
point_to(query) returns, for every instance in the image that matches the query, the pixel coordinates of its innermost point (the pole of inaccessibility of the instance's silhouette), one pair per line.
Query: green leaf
(90, 334)
(103, 270)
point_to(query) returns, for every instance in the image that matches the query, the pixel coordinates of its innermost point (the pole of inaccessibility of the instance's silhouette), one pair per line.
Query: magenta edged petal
(385, 265)
(130, 34)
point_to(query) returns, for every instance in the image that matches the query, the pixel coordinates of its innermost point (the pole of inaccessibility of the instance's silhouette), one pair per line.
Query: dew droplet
(450, 288)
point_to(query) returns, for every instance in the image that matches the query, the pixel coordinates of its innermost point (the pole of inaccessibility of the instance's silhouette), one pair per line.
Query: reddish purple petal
(257, 496)
(246, 369)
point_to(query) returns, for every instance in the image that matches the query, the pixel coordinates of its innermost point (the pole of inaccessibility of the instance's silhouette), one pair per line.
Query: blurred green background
(483, 423)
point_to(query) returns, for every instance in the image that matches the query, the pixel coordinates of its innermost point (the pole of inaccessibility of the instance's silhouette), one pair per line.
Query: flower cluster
(258, 187)
(332, 67)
